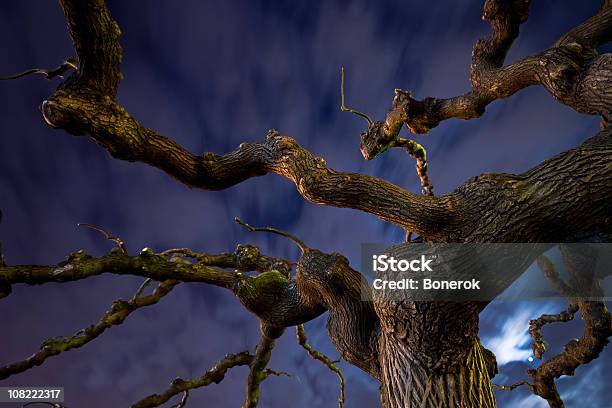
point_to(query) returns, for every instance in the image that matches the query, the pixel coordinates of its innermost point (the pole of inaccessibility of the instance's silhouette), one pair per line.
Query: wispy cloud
(512, 342)
(507, 335)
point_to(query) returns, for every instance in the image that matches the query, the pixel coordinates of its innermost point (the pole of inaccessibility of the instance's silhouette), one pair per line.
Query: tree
(421, 357)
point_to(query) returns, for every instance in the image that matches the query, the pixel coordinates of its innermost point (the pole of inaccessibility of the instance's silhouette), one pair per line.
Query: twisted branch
(564, 70)
(85, 105)
(577, 352)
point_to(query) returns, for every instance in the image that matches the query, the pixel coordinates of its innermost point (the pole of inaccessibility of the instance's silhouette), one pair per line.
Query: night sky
(212, 75)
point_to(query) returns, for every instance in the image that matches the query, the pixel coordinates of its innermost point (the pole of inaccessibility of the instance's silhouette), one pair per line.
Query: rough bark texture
(425, 354)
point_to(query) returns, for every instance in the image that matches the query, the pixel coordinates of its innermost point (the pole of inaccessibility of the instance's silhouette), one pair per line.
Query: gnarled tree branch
(570, 70)
(85, 105)
(214, 375)
(597, 327)
(116, 315)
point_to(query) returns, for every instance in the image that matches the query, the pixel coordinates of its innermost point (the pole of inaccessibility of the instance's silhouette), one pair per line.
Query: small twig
(513, 386)
(293, 238)
(141, 288)
(118, 241)
(303, 341)
(183, 400)
(69, 63)
(343, 107)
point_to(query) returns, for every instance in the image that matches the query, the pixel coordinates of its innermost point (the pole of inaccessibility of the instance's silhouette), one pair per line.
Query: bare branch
(513, 386)
(116, 315)
(85, 105)
(183, 401)
(258, 367)
(126, 139)
(538, 345)
(570, 70)
(577, 352)
(272, 295)
(118, 241)
(273, 230)
(79, 266)
(68, 64)
(303, 341)
(215, 375)
(81, 112)
(597, 330)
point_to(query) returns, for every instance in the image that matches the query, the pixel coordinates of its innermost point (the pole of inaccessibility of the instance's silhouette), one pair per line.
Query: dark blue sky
(211, 75)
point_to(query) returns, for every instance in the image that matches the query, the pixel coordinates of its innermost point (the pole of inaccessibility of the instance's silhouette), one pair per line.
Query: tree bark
(408, 382)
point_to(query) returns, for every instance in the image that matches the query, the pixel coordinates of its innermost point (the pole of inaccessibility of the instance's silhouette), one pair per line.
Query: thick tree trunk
(408, 382)
(430, 356)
